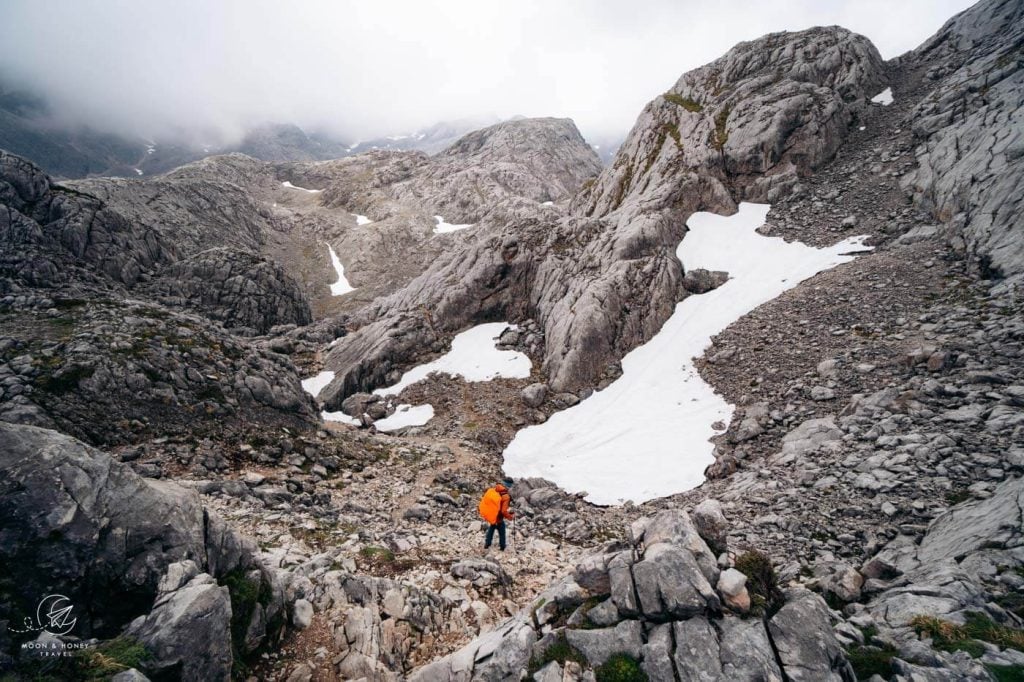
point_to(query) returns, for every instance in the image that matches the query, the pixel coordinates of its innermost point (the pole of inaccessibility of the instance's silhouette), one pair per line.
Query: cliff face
(970, 132)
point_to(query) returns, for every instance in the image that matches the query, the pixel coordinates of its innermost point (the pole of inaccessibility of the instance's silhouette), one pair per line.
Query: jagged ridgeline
(170, 345)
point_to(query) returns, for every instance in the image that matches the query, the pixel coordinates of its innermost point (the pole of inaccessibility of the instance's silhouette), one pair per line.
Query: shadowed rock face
(77, 523)
(971, 152)
(45, 228)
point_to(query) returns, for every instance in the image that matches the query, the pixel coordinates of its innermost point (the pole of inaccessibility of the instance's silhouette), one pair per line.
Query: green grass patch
(684, 102)
(245, 593)
(66, 381)
(968, 637)
(721, 135)
(109, 658)
(955, 497)
(1006, 673)
(868, 660)
(620, 668)
(379, 554)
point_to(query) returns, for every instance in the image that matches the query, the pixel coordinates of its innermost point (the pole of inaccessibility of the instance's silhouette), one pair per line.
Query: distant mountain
(28, 128)
(430, 140)
(287, 142)
(606, 145)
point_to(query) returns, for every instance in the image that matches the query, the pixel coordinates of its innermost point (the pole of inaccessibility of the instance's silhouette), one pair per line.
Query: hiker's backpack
(490, 506)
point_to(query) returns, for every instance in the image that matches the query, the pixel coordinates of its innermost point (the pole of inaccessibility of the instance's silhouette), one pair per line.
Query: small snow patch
(442, 227)
(138, 171)
(473, 357)
(301, 189)
(406, 415)
(548, 203)
(340, 417)
(884, 97)
(313, 385)
(361, 219)
(341, 287)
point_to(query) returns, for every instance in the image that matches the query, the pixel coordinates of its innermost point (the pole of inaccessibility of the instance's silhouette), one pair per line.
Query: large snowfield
(647, 435)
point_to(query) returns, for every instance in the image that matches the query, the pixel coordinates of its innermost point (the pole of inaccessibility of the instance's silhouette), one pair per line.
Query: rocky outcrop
(47, 231)
(536, 160)
(118, 547)
(652, 606)
(970, 154)
(756, 119)
(237, 289)
(119, 372)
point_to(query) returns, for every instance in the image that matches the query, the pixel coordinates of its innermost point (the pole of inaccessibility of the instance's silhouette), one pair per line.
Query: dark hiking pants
(500, 525)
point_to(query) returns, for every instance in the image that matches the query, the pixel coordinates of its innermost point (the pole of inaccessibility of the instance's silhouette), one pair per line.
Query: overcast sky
(362, 68)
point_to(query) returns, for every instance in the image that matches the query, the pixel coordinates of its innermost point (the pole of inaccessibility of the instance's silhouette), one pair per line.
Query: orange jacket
(504, 512)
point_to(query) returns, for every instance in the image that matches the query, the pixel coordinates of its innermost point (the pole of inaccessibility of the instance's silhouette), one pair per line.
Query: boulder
(597, 645)
(534, 394)
(302, 614)
(711, 524)
(76, 522)
(188, 632)
(670, 584)
(806, 645)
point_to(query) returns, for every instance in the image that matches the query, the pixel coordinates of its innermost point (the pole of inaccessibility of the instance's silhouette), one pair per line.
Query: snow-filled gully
(647, 434)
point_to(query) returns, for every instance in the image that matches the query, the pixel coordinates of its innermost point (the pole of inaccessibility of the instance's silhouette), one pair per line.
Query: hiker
(494, 508)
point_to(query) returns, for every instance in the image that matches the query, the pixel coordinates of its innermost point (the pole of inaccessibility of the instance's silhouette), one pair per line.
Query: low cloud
(357, 69)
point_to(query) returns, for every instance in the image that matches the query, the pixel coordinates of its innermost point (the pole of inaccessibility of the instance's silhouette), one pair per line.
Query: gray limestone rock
(970, 151)
(598, 644)
(802, 636)
(670, 585)
(996, 521)
(75, 522)
(188, 632)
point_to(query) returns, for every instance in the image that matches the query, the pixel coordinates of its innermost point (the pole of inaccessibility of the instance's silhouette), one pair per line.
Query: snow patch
(884, 97)
(646, 435)
(548, 203)
(313, 385)
(361, 219)
(340, 417)
(301, 189)
(473, 357)
(442, 227)
(341, 287)
(406, 415)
